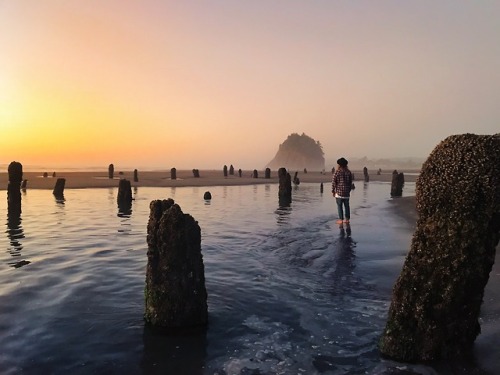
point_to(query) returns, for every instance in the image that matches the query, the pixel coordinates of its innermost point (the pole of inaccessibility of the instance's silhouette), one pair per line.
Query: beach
(85, 179)
(402, 208)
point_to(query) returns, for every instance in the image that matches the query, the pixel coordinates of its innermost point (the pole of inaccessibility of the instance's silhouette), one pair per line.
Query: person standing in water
(342, 184)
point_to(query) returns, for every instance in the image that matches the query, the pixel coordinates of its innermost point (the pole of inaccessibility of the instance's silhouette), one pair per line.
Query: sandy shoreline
(81, 180)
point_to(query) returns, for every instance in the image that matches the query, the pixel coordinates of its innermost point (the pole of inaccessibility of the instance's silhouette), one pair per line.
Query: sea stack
(175, 293)
(437, 297)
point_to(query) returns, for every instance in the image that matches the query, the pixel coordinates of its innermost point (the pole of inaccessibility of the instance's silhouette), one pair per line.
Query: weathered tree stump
(175, 293)
(255, 174)
(437, 297)
(397, 184)
(224, 170)
(285, 187)
(15, 171)
(59, 188)
(366, 175)
(173, 174)
(111, 171)
(136, 175)
(267, 173)
(124, 198)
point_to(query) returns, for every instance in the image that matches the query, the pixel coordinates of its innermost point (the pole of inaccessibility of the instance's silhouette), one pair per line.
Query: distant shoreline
(99, 179)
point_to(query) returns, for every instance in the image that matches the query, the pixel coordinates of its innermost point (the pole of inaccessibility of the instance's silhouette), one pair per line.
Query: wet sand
(81, 180)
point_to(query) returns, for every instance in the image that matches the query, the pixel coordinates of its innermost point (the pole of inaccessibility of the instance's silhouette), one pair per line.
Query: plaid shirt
(341, 183)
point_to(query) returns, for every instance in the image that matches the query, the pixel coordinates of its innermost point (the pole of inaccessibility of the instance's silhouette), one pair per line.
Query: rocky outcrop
(175, 293)
(299, 152)
(437, 297)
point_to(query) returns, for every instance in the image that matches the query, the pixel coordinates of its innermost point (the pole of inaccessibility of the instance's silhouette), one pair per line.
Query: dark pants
(345, 203)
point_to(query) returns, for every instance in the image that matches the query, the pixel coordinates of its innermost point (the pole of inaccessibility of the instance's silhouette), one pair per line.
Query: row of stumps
(16, 184)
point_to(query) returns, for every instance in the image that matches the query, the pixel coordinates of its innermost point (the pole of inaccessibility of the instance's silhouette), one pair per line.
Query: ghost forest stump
(437, 297)
(175, 293)
(15, 171)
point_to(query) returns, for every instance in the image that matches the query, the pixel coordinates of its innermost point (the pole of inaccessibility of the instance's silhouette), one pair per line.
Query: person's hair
(342, 162)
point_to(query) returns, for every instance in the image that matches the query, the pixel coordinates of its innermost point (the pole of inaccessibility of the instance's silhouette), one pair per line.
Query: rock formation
(437, 297)
(231, 170)
(299, 152)
(175, 293)
(255, 173)
(285, 187)
(366, 175)
(207, 196)
(196, 173)
(136, 176)
(224, 170)
(173, 174)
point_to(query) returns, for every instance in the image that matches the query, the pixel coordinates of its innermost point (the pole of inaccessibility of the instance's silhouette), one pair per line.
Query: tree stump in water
(175, 293)
(437, 297)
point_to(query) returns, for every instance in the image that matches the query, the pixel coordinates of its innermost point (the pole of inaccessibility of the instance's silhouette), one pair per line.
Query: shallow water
(289, 292)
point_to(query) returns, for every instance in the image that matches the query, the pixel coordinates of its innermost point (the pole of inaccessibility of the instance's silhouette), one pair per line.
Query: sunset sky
(198, 84)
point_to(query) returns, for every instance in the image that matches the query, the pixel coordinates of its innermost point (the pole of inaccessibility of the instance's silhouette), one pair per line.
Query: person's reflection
(173, 353)
(344, 261)
(15, 233)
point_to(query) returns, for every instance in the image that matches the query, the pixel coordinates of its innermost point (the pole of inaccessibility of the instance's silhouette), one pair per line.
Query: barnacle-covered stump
(436, 299)
(175, 293)
(285, 187)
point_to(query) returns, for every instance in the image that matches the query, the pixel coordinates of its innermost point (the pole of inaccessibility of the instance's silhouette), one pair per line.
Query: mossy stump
(437, 297)
(175, 293)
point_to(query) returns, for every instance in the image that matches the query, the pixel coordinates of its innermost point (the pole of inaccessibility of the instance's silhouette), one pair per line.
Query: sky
(156, 84)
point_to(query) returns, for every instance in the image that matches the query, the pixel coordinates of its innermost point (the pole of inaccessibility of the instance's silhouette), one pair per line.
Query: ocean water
(289, 292)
